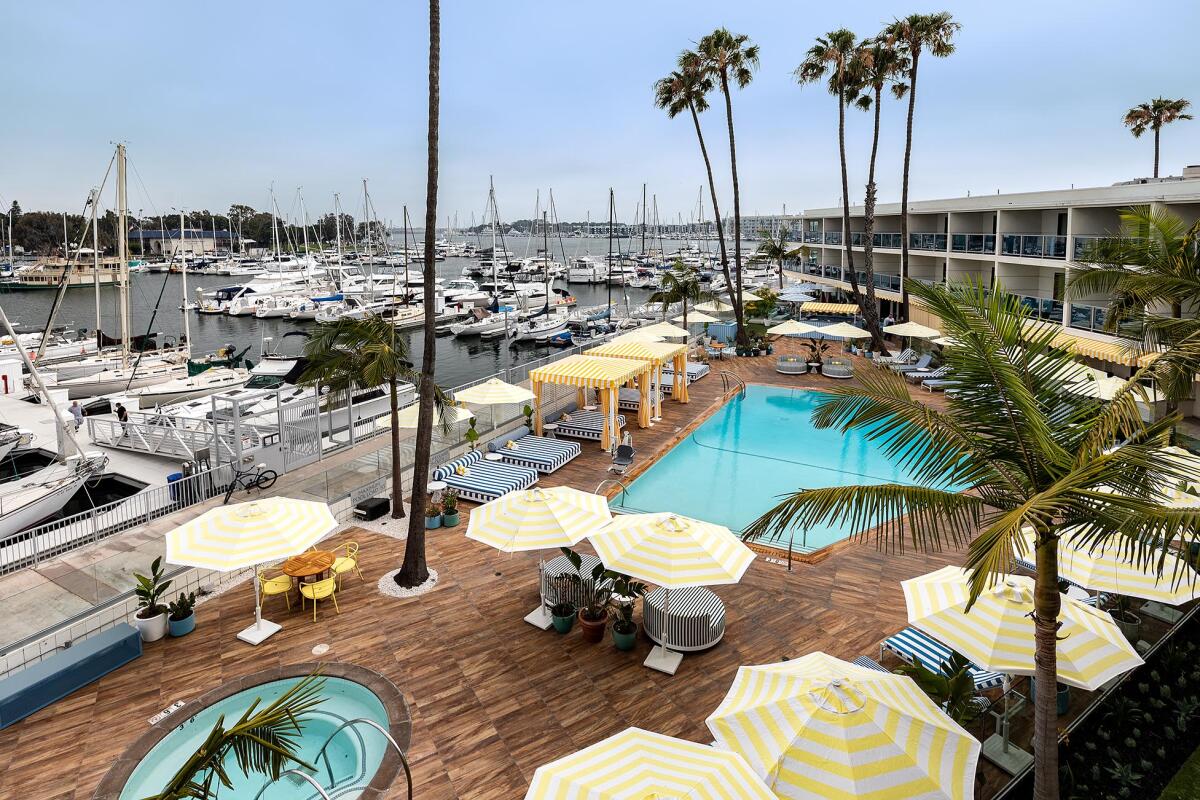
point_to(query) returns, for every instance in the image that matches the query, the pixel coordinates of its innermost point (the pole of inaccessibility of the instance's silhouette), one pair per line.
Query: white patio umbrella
(912, 330)
(715, 306)
(250, 534)
(494, 392)
(696, 318)
(843, 330)
(791, 328)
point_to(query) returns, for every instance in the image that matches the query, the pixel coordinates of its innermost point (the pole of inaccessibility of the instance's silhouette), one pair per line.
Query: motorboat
(29, 499)
(586, 270)
(480, 322)
(464, 292)
(188, 387)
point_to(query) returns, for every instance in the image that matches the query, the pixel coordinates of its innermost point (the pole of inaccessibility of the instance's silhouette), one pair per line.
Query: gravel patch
(388, 587)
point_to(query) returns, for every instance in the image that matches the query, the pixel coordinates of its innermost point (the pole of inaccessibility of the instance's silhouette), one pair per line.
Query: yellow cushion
(342, 564)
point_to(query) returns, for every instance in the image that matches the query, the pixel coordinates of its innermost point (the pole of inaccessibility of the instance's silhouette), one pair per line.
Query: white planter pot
(152, 629)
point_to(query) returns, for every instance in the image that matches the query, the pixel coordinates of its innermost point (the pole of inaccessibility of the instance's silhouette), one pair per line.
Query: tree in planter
(472, 435)
(624, 594)
(149, 591)
(1020, 452)
(817, 350)
(594, 592)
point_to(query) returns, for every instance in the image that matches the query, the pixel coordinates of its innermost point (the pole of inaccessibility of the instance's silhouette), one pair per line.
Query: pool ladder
(730, 379)
(329, 767)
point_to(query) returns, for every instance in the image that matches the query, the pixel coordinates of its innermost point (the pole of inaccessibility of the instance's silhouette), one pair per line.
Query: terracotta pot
(593, 630)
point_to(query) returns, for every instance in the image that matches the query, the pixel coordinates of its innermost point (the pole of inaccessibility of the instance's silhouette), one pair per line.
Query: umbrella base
(663, 660)
(539, 618)
(1162, 613)
(1012, 760)
(259, 632)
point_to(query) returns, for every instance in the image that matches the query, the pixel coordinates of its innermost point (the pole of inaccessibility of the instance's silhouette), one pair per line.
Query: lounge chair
(920, 363)
(623, 457)
(837, 368)
(869, 663)
(585, 425)
(918, 375)
(914, 646)
(791, 365)
(903, 357)
(695, 371)
(696, 621)
(932, 386)
(629, 399)
(533, 452)
(485, 480)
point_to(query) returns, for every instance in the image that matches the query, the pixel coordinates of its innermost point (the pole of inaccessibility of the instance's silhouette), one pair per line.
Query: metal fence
(50, 539)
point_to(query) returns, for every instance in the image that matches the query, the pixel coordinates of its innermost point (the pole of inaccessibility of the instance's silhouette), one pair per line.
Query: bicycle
(261, 478)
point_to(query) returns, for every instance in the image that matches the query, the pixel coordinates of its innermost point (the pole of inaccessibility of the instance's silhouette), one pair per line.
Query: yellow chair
(347, 562)
(279, 584)
(320, 590)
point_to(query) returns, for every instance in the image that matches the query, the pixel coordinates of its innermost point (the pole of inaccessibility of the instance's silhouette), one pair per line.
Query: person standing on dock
(77, 414)
(122, 417)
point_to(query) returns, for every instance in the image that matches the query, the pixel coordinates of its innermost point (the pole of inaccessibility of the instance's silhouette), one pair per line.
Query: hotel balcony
(927, 241)
(833, 237)
(1033, 245)
(812, 237)
(1044, 308)
(983, 243)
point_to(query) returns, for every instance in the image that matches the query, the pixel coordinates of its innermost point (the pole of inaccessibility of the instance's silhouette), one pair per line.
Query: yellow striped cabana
(658, 354)
(848, 309)
(605, 375)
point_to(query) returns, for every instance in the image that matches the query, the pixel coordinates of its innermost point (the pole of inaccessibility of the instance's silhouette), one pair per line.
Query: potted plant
(528, 412)
(472, 435)
(433, 514)
(1122, 614)
(817, 348)
(625, 592)
(181, 619)
(594, 592)
(952, 688)
(450, 508)
(562, 615)
(767, 347)
(151, 617)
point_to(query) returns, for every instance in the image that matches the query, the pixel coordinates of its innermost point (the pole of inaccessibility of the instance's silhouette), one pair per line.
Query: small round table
(586, 408)
(550, 428)
(493, 456)
(309, 565)
(435, 489)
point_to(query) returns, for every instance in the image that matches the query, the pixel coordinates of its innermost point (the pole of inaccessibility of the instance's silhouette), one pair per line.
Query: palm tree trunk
(736, 290)
(1046, 604)
(712, 192)
(1156, 134)
(871, 312)
(414, 571)
(908, 137)
(858, 297)
(397, 480)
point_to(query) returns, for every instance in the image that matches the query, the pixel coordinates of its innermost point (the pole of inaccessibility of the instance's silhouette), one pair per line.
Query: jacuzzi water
(354, 753)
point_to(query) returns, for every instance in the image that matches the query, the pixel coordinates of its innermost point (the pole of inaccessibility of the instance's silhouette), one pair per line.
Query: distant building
(168, 242)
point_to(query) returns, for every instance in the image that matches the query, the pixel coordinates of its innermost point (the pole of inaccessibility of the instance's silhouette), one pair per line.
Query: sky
(220, 101)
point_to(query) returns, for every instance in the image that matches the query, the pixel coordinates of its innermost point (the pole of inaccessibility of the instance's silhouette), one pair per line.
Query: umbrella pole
(998, 749)
(262, 629)
(661, 657)
(540, 616)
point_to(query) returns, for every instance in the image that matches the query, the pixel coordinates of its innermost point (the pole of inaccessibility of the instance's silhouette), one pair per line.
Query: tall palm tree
(1153, 116)
(730, 58)
(876, 66)
(1012, 451)
(685, 89)
(414, 571)
(775, 248)
(913, 35)
(680, 285)
(832, 59)
(366, 353)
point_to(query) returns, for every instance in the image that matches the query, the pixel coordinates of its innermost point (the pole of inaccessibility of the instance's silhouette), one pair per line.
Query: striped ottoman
(697, 620)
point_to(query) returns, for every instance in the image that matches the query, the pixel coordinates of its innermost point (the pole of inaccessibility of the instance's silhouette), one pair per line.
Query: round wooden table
(309, 565)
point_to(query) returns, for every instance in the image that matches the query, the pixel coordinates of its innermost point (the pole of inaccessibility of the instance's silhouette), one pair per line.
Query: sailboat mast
(123, 254)
(643, 219)
(187, 325)
(608, 271)
(367, 220)
(275, 226)
(337, 223)
(96, 263)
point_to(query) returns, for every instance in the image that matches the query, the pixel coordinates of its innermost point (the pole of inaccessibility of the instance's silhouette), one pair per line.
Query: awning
(590, 372)
(1113, 351)
(641, 350)
(848, 309)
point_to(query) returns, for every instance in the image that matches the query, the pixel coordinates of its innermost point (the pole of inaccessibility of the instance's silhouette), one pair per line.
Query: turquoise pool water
(355, 753)
(736, 465)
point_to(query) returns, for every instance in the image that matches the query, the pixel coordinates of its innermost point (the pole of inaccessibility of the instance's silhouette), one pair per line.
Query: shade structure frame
(657, 354)
(604, 374)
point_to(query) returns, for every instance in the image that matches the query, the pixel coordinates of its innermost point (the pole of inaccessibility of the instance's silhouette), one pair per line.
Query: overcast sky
(219, 100)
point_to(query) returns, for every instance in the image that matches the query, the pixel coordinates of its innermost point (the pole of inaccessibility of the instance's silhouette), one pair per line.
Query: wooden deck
(491, 697)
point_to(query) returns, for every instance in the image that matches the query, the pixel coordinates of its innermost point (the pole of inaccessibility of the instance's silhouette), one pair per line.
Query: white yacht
(27, 500)
(480, 322)
(541, 327)
(586, 269)
(464, 292)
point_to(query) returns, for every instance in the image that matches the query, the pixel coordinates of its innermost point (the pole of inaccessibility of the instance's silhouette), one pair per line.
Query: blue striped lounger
(539, 453)
(486, 480)
(695, 371)
(586, 425)
(914, 646)
(630, 399)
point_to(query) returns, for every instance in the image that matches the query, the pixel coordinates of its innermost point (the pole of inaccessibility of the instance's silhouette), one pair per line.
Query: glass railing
(1033, 245)
(859, 238)
(831, 271)
(1044, 308)
(927, 241)
(973, 243)
(812, 237)
(812, 269)
(889, 282)
(833, 237)
(1088, 318)
(927, 281)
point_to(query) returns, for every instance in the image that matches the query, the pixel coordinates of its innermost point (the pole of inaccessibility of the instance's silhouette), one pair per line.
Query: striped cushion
(697, 618)
(914, 646)
(586, 425)
(558, 591)
(869, 663)
(486, 480)
(540, 453)
(466, 460)
(630, 399)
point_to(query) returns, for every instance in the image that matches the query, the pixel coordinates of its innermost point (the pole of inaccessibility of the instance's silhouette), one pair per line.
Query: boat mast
(608, 267)
(63, 433)
(187, 327)
(275, 227)
(643, 219)
(337, 223)
(95, 196)
(304, 216)
(367, 222)
(123, 255)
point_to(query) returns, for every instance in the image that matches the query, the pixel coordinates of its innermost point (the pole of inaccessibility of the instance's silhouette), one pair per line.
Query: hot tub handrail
(303, 775)
(371, 723)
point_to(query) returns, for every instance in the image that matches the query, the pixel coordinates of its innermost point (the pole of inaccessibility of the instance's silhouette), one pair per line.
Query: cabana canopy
(657, 353)
(604, 374)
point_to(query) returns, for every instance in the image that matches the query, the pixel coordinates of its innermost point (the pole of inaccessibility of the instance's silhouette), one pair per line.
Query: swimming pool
(736, 464)
(355, 752)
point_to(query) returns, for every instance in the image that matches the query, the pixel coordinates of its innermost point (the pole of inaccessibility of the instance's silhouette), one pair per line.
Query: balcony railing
(973, 243)
(1033, 245)
(1044, 308)
(812, 237)
(1088, 318)
(833, 237)
(892, 240)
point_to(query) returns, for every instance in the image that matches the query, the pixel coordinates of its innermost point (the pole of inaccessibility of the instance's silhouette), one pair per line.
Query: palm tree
(833, 59)
(263, 742)
(366, 353)
(686, 89)
(680, 285)
(912, 36)
(876, 65)
(730, 58)
(1016, 452)
(775, 248)
(414, 571)
(1152, 116)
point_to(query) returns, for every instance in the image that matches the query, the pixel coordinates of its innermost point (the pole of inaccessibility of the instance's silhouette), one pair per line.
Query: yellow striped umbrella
(997, 634)
(538, 519)
(672, 551)
(1113, 568)
(820, 727)
(641, 765)
(696, 318)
